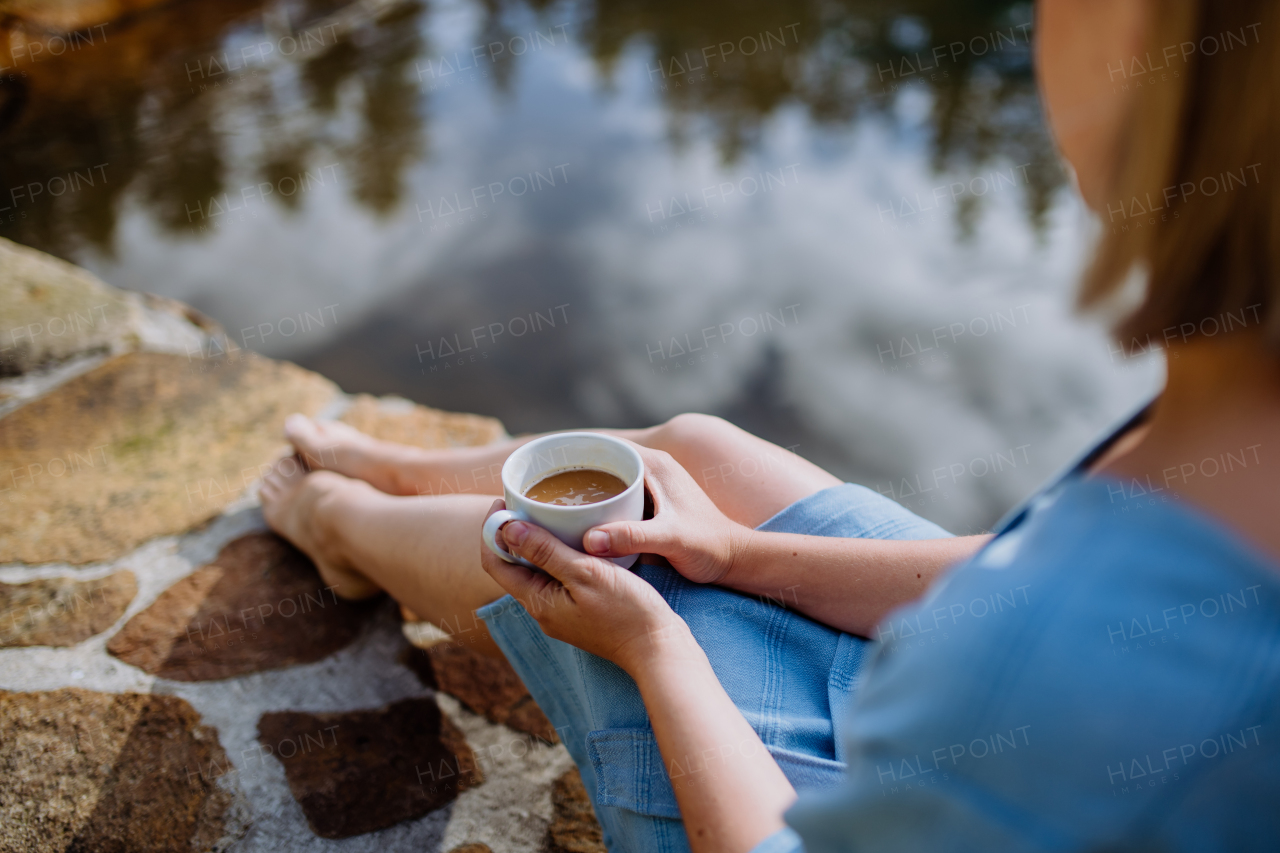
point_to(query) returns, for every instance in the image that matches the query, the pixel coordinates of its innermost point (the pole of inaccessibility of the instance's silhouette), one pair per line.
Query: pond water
(838, 223)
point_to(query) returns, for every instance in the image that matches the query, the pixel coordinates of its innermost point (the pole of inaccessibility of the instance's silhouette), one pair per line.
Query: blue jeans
(790, 676)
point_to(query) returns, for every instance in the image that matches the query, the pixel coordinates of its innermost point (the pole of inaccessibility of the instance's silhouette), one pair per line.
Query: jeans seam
(526, 623)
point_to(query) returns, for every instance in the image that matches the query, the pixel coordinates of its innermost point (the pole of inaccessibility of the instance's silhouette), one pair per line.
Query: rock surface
(574, 828)
(100, 772)
(65, 16)
(399, 420)
(62, 611)
(112, 451)
(142, 446)
(484, 685)
(367, 770)
(259, 605)
(52, 311)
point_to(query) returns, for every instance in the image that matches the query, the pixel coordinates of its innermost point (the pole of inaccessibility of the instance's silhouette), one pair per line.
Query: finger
(516, 579)
(557, 559)
(653, 458)
(661, 471)
(498, 539)
(512, 577)
(660, 467)
(622, 538)
(667, 479)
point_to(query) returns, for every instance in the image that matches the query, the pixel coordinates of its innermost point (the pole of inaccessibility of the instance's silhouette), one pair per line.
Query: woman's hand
(731, 792)
(585, 601)
(688, 529)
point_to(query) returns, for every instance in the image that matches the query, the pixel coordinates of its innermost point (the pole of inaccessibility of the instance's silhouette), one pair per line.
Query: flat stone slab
(90, 771)
(259, 605)
(362, 771)
(65, 16)
(485, 685)
(574, 828)
(62, 611)
(143, 446)
(51, 311)
(405, 422)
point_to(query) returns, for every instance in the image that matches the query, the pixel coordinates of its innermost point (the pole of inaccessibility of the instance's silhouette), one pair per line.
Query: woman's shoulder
(1099, 567)
(1100, 541)
(1157, 609)
(1089, 660)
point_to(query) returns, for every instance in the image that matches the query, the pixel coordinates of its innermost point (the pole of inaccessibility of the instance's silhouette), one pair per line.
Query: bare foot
(298, 506)
(335, 446)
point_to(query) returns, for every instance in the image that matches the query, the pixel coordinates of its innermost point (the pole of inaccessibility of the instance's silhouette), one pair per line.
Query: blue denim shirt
(1104, 674)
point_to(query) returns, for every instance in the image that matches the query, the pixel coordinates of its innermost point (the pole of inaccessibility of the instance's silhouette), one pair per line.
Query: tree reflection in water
(174, 131)
(182, 109)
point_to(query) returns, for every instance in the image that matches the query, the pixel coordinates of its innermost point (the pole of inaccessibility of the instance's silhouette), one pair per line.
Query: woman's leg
(748, 478)
(424, 551)
(371, 520)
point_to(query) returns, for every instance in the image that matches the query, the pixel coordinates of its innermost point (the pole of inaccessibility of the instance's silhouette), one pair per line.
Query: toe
(296, 423)
(300, 430)
(331, 434)
(274, 478)
(291, 468)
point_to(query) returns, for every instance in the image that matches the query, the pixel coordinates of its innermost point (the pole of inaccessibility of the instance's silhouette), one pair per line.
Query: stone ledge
(484, 685)
(62, 611)
(574, 828)
(259, 605)
(138, 448)
(399, 420)
(68, 16)
(97, 772)
(52, 311)
(382, 766)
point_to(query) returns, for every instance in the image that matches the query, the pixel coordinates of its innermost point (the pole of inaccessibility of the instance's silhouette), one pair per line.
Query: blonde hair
(1195, 206)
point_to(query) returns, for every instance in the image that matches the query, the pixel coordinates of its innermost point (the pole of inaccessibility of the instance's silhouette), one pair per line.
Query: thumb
(623, 538)
(547, 552)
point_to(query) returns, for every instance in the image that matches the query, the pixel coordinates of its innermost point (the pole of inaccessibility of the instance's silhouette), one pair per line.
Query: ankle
(336, 504)
(414, 471)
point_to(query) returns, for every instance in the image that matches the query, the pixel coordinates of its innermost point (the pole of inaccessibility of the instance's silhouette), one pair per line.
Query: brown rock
(394, 419)
(259, 605)
(484, 685)
(94, 772)
(62, 611)
(368, 770)
(574, 828)
(474, 847)
(141, 447)
(66, 16)
(51, 310)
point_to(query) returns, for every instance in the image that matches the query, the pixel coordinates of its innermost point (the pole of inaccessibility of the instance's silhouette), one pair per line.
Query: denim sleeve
(854, 819)
(785, 840)
(1092, 680)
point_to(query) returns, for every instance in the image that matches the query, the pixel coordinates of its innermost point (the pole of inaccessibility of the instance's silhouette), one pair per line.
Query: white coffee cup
(566, 451)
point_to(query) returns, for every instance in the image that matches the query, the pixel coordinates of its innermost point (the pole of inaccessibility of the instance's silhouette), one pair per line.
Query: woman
(1103, 673)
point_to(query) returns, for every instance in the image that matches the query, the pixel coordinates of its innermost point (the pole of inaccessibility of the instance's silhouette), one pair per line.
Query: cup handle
(490, 531)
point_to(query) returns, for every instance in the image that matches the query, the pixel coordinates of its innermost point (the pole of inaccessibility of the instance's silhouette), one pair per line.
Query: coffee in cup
(568, 483)
(576, 487)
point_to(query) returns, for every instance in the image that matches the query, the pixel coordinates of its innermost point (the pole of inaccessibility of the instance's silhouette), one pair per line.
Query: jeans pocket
(808, 772)
(631, 774)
